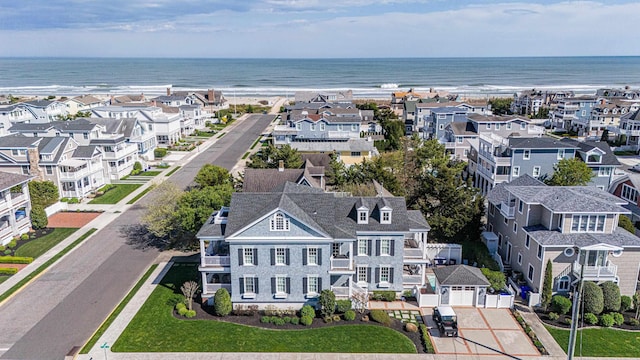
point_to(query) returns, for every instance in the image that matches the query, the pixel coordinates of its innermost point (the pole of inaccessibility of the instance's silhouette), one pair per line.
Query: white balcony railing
(216, 261)
(411, 279)
(120, 153)
(212, 288)
(75, 175)
(507, 210)
(341, 291)
(5, 231)
(341, 264)
(596, 272)
(413, 253)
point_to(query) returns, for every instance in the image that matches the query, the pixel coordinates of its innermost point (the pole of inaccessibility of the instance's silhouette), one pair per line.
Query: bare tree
(160, 218)
(189, 290)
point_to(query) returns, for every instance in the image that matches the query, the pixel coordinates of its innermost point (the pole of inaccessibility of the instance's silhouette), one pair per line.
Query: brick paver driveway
(71, 219)
(483, 332)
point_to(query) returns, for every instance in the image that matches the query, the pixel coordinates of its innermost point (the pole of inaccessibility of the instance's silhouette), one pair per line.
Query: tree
(543, 113)
(547, 285)
(592, 299)
(38, 217)
(189, 290)
(501, 106)
(43, 193)
(496, 278)
(270, 156)
(570, 172)
(195, 206)
(160, 218)
(327, 303)
(222, 302)
(636, 303)
(610, 296)
(212, 175)
(625, 223)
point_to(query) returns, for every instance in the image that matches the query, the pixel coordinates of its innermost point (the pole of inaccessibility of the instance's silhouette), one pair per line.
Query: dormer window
(385, 216)
(363, 215)
(279, 222)
(594, 158)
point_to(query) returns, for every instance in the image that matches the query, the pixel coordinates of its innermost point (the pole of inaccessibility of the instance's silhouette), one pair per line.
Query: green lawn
(3, 278)
(173, 170)
(600, 342)
(37, 247)
(142, 193)
(113, 196)
(155, 329)
(149, 173)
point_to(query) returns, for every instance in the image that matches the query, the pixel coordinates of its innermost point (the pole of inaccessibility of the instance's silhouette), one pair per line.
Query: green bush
(3, 248)
(618, 318)
(277, 321)
(384, 295)
(606, 320)
(74, 201)
(610, 296)
(567, 321)
(38, 217)
(336, 318)
(380, 316)
(350, 315)
(8, 271)
(13, 243)
(625, 303)
(590, 319)
(426, 339)
(182, 311)
(8, 252)
(160, 152)
(180, 305)
(15, 260)
(265, 319)
(560, 304)
(308, 311)
(327, 303)
(306, 320)
(592, 298)
(295, 320)
(190, 313)
(222, 302)
(553, 316)
(343, 306)
(287, 319)
(496, 278)
(634, 322)
(64, 200)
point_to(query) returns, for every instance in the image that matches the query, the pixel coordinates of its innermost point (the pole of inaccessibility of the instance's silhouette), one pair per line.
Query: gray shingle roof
(463, 128)
(417, 220)
(9, 180)
(635, 116)
(609, 158)
(460, 275)
(619, 237)
(327, 146)
(574, 199)
(265, 180)
(29, 127)
(84, 152)
(499, 194)
(17, 141)
(539, 143)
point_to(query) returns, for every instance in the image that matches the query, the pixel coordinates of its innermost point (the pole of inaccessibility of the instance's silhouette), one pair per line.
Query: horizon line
(318, 58)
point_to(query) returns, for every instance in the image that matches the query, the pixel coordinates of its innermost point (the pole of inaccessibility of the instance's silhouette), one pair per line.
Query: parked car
(446, 320)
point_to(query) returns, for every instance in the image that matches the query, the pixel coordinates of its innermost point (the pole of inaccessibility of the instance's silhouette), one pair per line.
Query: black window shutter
(368, 274)
(240, 257)
(288, 284)
(241, 285)
(273, 285)
(377, 275)
(255, 284)
(273, 256)
(304, 285)
(255, 256)
(319, 252)
(304, 256)
(392, 247)
(369, 250)
(391, 275)
(287, 257)
(319, 284)
(378, 244)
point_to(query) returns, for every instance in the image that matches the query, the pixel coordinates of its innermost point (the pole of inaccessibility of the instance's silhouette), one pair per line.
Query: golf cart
(446, 320)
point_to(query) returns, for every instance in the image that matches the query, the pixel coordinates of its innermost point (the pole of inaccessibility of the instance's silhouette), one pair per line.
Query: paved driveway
(483, 332)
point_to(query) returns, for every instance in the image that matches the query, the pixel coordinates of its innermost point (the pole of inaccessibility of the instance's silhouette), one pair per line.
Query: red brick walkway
(71, 219)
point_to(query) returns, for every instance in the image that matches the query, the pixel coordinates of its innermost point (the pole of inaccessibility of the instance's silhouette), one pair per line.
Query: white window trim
(278, 293)
(366, 247)
(536, 171)
(252, 294)
(515, 227)
(519, 258)
(364, 272)
(386, 213)
(560, 154)
(282, 257)
(388, 242)
(245, 253)
(309, 257)
(526, 154)
(311, 293)
(564, 280)
(540, 252)
(533, 272)
(515, 172)
(385, 283)
(275, 226)
(589, 218)
(361, 219)
(527, 241)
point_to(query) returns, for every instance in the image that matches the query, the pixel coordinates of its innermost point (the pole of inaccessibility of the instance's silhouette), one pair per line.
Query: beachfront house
(443, 116)
(15, 206)
(83, 103)
(165, 126)
(575, 227)
(45, 110)
(571, 110)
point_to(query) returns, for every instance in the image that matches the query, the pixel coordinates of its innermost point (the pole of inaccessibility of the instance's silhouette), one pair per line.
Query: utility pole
(575, 312)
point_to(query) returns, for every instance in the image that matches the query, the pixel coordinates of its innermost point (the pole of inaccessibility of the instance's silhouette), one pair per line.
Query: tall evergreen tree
(547, 285)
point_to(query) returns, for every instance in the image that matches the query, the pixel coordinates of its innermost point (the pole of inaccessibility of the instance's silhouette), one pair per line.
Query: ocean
(472, 77)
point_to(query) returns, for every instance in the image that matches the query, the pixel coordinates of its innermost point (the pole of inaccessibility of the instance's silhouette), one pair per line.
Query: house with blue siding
(441, 117)
(282, 248)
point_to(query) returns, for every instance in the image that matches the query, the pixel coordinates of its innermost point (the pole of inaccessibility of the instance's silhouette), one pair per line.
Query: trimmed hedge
(607, 320)
(8, 271)
(590, 319)
(308, 311)
(593, 300)
(384, 295)
(610, 296)
(306, 320)
(343, 306)
(15, 260)
(350, 315)
(381, 317)
(426, 340)
(625, 303)
(560, 304)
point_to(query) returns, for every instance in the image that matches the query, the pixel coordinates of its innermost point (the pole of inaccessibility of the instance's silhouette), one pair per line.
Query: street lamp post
(575, 311)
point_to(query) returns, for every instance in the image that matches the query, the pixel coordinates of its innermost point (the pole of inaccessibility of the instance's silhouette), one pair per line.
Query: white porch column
(202, 253)
(204, 281)
(350, 255)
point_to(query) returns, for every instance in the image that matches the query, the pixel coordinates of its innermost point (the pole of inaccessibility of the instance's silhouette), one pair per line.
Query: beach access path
(62, 307)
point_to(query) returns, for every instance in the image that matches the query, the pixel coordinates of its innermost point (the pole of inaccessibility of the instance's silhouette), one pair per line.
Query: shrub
(590, 319)
(560, 304)
(242, 310)
(426, 339)
(160, 152)
(328, 319)
(327, 303)
(3, 248)
(306, 320)
(15, 260)
(182, 311)
(180, 305)
(8, 271)
(295, 320)
(592, 298)
(410, 327)
(336, 318)
(553, 316)
(384, 295)
(137, 166)
(13, 243)
(343, 306)
(567, 321)
(265, 319)
(190, 313)
(38, 217)
(496, 279)
(618, 318)
(350, 315)
(610, 296)
(380, 316)
(625, 303)
(277, 321)
(308, 311)
(634, 322)
(287, 319)
(8, 252)
(222, 302)
(74, 201)
(606, 320)
(174, 300)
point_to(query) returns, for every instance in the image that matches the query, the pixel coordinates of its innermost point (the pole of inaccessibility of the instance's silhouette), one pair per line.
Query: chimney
(210, 95)
(281, 165)
(168, 91)
(34, 163)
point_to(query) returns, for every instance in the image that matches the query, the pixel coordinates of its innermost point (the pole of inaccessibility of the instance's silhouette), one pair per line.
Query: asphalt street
(62, 308)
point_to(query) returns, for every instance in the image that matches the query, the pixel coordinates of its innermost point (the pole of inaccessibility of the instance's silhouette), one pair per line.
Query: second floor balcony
(606, 272)
(342, 262)
(508, 209)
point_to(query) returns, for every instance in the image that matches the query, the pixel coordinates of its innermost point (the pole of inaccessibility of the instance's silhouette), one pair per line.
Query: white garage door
(461, 296)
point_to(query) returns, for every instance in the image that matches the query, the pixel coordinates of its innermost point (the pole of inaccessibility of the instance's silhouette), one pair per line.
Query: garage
(461, 285)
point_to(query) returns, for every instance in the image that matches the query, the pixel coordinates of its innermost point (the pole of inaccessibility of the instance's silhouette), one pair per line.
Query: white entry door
(462, 296)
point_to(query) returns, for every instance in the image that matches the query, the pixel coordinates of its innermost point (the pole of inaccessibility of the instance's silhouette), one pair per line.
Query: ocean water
(475, 77)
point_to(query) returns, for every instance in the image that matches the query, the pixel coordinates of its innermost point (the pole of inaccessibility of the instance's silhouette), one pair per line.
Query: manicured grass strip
(113, 196)
(245, 155)
(137, 197)
(149, 173)
(173, 170)
(155, 329)
(105, 325)
(255, 142)
(48, 263)
(3, 278)
(221, 135)
(37, 247)
(600, 342)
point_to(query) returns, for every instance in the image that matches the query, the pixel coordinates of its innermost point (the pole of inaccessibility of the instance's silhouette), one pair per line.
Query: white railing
(17, 198)
(595, 271)
(120, 153)
(342, 264)
(507, 211)
(216, 260)
(358, 291)
(411, 279)
(414, 253)
(212, 288)
(340, 290)
(24, 222)
(74, 175)
(5, 231)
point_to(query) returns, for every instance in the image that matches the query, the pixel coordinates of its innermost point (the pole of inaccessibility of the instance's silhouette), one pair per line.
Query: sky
(317, 28)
